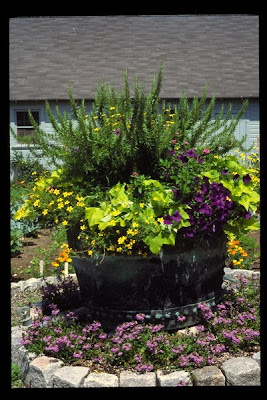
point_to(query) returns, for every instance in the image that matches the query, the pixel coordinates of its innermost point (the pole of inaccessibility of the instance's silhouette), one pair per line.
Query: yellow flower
(112, 108)
(119, 249)
(36, 203)
(69, 209)
(56, 220)
(56, 191)
(83, 227)
(96, 129)
(65, 223)
(160, 220)
(89, 252)
(112, 223)
(60, 205)
(51, 203)
(122, 239)
(34, 173)
(135, 225)
(79, 198)
(45, 212)
(142, 205)
(115, 213)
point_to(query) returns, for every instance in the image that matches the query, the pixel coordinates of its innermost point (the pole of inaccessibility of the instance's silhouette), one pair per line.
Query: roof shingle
(219, 50)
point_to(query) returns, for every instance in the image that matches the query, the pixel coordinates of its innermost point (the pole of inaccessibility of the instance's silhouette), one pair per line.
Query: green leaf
(250, 224)
(155, 243)
(94, 215)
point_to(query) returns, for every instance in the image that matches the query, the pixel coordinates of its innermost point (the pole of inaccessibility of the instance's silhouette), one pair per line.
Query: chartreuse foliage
(127, 218)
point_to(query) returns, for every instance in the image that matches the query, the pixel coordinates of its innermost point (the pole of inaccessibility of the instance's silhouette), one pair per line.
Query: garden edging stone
(47, 372)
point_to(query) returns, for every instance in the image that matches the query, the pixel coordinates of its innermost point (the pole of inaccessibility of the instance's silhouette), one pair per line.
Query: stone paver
(41, 371)
(132, 379)
(174, 378)
(66, 377)
(101, 379)
(257, 357)
(208, 376)
(241, 371)
(16, 337)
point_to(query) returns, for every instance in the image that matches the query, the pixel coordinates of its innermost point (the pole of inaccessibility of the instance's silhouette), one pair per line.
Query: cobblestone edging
(47, 372)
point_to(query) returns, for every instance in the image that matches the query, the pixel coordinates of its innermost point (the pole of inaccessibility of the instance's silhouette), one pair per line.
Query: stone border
(47, 372)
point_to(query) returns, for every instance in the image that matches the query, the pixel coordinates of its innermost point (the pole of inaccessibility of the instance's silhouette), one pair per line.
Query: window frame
(26, 127)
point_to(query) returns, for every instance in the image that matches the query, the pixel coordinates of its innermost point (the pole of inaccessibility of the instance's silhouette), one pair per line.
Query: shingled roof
(219, 50)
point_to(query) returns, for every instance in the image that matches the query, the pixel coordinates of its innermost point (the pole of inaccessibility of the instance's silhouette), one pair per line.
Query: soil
(21, 261)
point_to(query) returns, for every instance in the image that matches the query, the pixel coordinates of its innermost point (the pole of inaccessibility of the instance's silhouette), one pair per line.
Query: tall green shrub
(125, 133)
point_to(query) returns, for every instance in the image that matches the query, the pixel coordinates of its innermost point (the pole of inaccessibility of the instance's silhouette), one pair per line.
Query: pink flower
(206, 151)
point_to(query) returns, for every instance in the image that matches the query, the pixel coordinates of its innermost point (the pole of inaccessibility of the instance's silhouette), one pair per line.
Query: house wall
(249, 124)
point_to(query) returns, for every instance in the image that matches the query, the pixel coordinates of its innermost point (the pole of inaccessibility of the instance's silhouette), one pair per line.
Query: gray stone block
(24, 359)
(41, 371)
(241, 371)
(66, 377)
(132, 379)
(173, 378)
(16, 337)
(101, 379)
(208, 376)
(15, 288)
(257, 357)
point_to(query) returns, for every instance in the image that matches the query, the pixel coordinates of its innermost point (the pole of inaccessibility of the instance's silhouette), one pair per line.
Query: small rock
(101, 379)
(31, 284)
(66, 377)
(15, 288)
(208, 376)
(41, 371)
(241, 371)
(132, 379)
(174, 378)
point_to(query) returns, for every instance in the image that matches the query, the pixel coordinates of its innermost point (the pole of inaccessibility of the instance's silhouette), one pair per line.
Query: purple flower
(246, 178)
(235, 176)
(198, 198)
(191, 153)
(78, 354)
(167, 219)
(224, 172)
(247, 215)
(117, 131)
(205, 209)
(176, 216)
(182, 158)
(140, 317)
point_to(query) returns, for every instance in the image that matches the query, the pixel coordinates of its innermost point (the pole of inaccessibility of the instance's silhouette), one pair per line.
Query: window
(24, 127)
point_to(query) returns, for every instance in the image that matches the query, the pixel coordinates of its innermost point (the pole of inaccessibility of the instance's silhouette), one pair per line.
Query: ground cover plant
(231, 327)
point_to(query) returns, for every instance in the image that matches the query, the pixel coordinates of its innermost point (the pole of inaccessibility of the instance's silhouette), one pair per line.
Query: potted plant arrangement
(147, 195)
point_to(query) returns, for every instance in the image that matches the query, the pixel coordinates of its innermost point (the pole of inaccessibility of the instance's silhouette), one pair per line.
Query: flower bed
(231, 327)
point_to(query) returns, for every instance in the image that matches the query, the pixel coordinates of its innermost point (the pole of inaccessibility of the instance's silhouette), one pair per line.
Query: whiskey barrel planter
(116, 288)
